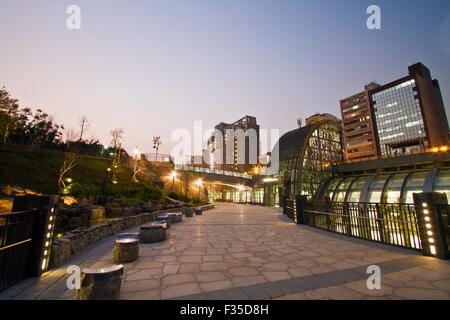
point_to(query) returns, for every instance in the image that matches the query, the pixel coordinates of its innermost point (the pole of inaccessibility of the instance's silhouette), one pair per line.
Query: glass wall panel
(376, 188)
(442, 183)
(414, 184)
(258, 195)
(392, 193)
(323, 150)
(329, 190)
(356, 188)
(341, 191)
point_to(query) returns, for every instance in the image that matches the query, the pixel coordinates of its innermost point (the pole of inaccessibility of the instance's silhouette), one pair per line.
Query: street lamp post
(199, 182)
(173, 174)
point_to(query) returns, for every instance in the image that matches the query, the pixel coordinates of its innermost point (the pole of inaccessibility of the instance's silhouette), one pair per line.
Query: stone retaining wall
(70, 245)
(207, 207)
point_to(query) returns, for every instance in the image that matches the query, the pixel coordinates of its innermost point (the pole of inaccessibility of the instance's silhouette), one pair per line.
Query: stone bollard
(173, 217)
(128, 235)
(126, 250)
(152, 232)
(198, 211)
(166, 218)
(188, 213)
(179, 216)
(162, 222)
(100, 284)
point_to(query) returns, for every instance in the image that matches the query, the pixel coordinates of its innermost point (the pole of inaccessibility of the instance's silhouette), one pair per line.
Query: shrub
(174, 195)
(195, 201)
(152, 193)
(140, 191)
(77, 190)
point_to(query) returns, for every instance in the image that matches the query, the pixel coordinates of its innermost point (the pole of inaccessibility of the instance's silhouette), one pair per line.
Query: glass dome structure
(307, 155)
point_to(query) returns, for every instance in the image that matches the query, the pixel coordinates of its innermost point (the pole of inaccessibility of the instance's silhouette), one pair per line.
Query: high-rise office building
(409, 114)
(402, 117)
(244, 148)
(358, 128)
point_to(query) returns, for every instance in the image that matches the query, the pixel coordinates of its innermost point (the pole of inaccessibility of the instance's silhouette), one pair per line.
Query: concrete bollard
(152, 232)
(126, 250)
(100, 284)
(188, 213)
(166, 218)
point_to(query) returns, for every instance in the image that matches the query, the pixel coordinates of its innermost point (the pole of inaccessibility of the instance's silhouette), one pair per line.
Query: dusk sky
(154, 66)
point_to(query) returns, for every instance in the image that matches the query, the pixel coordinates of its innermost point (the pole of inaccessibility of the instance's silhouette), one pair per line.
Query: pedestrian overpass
(218, 176)
(221, 184)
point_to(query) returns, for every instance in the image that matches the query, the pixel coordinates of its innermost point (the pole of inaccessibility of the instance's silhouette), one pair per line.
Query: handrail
(212, 171)
(6, 214)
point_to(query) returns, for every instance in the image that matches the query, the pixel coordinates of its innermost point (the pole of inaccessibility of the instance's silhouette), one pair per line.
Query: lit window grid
(395, 109)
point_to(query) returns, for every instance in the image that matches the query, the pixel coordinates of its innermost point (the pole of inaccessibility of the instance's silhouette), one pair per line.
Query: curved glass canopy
(386, 187)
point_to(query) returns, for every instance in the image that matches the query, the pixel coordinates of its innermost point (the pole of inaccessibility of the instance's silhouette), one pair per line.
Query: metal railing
(15, 237)
(213, 171)
(160, 157)
(388, 223)
(289, 208)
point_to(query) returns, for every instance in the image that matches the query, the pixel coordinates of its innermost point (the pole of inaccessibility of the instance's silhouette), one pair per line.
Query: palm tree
(156, 143)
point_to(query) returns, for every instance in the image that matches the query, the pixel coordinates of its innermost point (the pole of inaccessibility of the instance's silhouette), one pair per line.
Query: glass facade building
(396, 187)
(399, 121)
(405, 116)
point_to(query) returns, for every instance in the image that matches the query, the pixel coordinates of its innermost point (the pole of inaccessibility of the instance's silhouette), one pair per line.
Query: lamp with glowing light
(173, 175)
(431, 210)
(199, 183)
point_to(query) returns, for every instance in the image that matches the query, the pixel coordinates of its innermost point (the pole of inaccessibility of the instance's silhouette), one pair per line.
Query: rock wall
(73, 243)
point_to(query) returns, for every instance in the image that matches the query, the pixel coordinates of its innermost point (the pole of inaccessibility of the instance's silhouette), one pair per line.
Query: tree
(138, 166)
(71, 159)
(85, 125)
(25, 127)
(156, 143)
(9, 114)
(117, 145)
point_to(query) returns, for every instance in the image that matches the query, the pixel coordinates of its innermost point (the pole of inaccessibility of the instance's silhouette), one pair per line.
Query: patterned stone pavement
(251, 252)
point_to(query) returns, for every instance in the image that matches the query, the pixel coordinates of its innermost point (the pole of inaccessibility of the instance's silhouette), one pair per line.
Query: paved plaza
(251, 252)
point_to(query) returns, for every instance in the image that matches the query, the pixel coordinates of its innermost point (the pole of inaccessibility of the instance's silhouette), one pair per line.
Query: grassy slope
(38, 170)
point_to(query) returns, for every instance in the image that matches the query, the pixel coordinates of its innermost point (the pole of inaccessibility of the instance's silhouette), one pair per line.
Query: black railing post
(42, 234)
(284, 205)
(380, 224)
(300, 206)
(432, 218)
(347, 219)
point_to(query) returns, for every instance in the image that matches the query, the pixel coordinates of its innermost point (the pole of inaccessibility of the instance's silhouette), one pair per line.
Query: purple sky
(151, 67)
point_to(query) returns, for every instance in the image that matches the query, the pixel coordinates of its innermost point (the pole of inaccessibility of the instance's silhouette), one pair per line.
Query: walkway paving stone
(252, 252)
